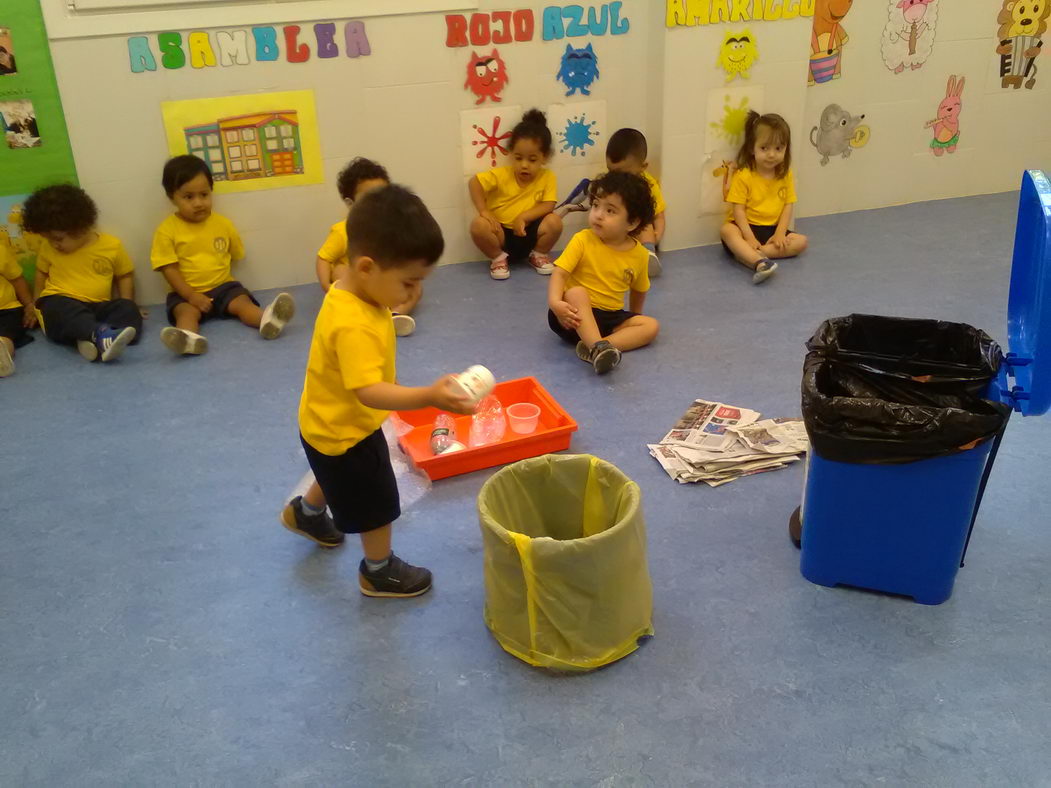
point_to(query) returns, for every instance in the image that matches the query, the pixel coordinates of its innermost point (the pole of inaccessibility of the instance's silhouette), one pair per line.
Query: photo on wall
(20, 124)
(260, 141)
(7, 53)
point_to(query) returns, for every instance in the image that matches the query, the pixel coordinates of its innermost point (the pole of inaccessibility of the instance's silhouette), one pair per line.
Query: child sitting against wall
(17, 311)
(356, 179)
(601, 264)
(515, 202)
(77, 270)
(193, 249)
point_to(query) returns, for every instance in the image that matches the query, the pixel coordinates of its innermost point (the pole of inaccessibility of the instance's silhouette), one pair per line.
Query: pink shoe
(541, 263)
(498, 267)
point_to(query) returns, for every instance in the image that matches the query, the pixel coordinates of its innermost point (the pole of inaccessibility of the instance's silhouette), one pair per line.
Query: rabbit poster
(908, 37)
(946, 126)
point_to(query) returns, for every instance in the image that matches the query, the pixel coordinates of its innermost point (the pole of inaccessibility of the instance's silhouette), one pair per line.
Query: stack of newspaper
(716, 443)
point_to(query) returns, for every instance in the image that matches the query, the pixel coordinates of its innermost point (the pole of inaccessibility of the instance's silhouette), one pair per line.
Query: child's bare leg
(187, 317)
(549, 232)
(796, 245)
(742, 250)
(376, 544)
(634, 333)
(647, 235)
(244, 310)
(489, 241)
(588, 328)
(315, 497)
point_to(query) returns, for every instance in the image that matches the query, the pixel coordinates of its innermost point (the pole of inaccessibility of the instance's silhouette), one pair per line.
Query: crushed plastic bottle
(443, 437)
(488, 424)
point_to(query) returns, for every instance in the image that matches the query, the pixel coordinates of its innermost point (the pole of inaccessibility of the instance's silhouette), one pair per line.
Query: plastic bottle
(443, 437)
(488, 424)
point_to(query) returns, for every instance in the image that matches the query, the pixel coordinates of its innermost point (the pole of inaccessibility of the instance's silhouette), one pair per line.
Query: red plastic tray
(553, 433)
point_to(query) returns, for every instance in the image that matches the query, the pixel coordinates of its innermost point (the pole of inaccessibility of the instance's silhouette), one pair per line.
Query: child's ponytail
(533, 126)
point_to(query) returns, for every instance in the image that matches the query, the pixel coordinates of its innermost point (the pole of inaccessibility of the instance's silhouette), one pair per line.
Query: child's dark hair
(393, 227)
(533, 126)
(778, 130)
(634, 193)
(180, 170)
(64, 208)
(360, 169)
(627, 142)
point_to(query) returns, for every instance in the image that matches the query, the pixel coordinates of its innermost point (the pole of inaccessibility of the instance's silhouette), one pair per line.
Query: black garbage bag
(952, 358)
(866, 401)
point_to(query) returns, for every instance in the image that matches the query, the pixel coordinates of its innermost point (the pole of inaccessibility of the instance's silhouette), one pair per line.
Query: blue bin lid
(1029, 305)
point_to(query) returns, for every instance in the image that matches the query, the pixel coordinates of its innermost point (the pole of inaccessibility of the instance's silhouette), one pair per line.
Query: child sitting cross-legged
(601, 264)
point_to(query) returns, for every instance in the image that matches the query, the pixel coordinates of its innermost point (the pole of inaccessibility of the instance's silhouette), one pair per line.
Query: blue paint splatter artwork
(578, 135)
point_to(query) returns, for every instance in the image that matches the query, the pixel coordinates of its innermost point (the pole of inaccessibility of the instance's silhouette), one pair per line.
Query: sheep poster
(908, 37)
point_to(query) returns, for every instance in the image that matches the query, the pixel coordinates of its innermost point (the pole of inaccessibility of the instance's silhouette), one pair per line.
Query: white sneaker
(404, 325)
(182, 342)
(88, 349)
(541, 263)
(7, 363)
(655, 267)
(276, 316)
(498, 267)
(763, 271)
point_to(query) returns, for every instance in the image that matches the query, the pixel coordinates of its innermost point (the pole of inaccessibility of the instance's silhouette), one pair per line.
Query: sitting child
(350, 388)
(515, 202)
(761, 195)
(17, 312)
(601, 264)
(193, 249)
(77, 268)
(357, 178)
(627, 151)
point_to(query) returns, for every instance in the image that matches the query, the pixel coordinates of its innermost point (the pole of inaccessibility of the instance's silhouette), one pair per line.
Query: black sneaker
(583, 352)
(604, 357)
(396, 579)
(317, 527)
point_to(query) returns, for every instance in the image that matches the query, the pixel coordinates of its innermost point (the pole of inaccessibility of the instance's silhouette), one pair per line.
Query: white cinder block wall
(401, 104)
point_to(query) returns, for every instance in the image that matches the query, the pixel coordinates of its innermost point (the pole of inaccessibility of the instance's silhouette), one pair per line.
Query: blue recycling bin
(904, 528)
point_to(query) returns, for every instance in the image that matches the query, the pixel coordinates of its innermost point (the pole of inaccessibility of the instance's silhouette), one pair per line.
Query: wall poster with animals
(945, 126)
(828, 36)
(838, 133)
(908, 37)
(1020, 40)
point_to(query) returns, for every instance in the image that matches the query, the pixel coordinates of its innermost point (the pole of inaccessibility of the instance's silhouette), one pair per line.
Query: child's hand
(201, 301)
(519, 227)
(754, 243)
(29, 316)
(567, 314)
(445, 394)
(780, 241)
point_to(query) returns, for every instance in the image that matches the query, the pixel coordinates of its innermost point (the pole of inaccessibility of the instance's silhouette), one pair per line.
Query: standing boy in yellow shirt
(350, 388)
(77, 269)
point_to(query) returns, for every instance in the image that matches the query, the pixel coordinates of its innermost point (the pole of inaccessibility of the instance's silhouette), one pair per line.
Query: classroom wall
(401, 105)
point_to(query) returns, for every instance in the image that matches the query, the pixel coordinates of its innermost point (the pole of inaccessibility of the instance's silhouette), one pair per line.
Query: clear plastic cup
(523, 417)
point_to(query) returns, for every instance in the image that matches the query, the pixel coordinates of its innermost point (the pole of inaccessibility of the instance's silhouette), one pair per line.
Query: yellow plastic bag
(566, 580)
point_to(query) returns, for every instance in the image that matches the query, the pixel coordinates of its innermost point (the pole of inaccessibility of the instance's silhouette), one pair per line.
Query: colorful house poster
(262, 141)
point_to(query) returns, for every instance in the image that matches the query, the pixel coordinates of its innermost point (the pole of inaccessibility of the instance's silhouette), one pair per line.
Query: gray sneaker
(316, 527)
(604, 357)
(764, 269)
(396, 579)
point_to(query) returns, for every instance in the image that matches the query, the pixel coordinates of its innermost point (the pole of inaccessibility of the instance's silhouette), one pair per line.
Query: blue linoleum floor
(158, 627)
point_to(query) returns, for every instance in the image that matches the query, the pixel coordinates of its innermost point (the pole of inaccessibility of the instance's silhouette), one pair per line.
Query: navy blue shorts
(359, 485)
(763, 233)
(12, 328)
(518, 247)
(608, 321)
(221, 297)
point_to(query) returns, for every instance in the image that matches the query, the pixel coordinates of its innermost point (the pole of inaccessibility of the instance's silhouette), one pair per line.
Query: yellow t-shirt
(202, 250)
(353, 347)
(604, 272)
(334, 250)
(9, 270)
(87, 274)
(763, 199)
(655, 191)
(506, 199)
